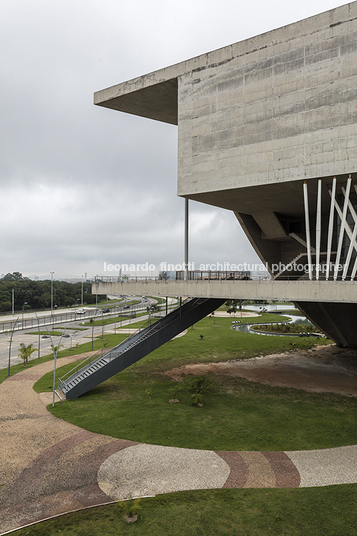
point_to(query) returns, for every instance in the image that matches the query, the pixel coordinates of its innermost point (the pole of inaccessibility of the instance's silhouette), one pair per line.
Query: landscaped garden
(235, 414)
(326, 511)
(220, 413)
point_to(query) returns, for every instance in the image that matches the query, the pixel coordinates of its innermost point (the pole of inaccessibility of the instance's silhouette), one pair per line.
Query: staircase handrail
(155, 327)
(81, 364)
(99, 368)
(85, 364)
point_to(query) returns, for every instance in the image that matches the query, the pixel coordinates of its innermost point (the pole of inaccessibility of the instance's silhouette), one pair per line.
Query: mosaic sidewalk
(49, 467)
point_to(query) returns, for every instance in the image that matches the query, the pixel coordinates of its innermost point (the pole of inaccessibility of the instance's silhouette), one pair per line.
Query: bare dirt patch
(316, 370)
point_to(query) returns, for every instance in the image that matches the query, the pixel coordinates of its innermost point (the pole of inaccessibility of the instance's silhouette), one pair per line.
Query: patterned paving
(49, 466)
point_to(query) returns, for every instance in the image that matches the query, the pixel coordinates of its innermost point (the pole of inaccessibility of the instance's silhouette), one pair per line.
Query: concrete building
(267, 128)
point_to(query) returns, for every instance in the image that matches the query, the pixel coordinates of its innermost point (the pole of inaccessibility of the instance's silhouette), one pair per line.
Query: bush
(198, 385)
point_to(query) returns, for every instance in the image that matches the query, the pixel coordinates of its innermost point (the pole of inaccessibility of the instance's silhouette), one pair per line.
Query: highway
(73, 334)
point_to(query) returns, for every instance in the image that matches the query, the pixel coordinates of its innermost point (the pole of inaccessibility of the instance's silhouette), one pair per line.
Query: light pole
(12, 334)
(115, 319)
(39, 337)
(92, 322)
(82, 294)
(13, 301)
(55, 352)
(52, 297)
(23, 309)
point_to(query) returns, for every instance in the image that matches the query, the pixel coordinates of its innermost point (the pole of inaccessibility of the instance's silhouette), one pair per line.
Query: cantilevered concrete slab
(302, 291)
(276, 108)
(155, 101)
(267, 128)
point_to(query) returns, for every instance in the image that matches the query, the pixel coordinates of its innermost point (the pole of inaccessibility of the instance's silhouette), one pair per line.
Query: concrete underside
(265, 112)
(337, 320)
(255, 120)
(323, 302)
(301, 291)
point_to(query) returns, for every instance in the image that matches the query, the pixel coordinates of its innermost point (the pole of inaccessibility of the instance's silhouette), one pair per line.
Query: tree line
(30, 294)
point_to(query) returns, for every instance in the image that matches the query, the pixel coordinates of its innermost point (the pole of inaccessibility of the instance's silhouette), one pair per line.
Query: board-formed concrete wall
(279, 107)
(264, 126)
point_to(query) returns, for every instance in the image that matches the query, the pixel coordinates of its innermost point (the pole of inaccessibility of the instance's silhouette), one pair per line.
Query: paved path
(48, 466)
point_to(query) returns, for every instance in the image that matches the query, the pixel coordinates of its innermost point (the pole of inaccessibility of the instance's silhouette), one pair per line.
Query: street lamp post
(39, 336)
(52, 297)
(23, 310)
(11, 336)
(55, 352)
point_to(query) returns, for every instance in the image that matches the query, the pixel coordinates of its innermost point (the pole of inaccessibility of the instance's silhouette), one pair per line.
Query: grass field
(236, 415)
(329, 511)
(105, 320)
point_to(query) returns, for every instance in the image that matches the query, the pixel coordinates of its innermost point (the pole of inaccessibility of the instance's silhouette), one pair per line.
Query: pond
(294, 319)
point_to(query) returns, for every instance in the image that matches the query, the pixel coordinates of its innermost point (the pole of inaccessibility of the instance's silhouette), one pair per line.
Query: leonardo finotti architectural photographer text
(191, 266)
(147, 267)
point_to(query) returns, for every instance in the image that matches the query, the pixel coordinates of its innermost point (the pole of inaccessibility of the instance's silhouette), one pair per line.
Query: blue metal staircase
(137, 346)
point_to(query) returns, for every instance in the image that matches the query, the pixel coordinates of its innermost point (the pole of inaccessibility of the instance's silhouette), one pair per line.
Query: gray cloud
(82, 185)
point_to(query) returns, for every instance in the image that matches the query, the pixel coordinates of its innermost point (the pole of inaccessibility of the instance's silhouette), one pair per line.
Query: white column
(353, 244)
(186, 240)
(318, 228)
(307, 227)
(330, 226)
(343, 225)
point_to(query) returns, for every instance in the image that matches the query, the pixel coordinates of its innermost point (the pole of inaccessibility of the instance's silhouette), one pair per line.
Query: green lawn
(263, 317)
(219, 343)
(52, 333)
(328, 511)
(236, 414)
(107, 342)
(105, 320)
(139, 324)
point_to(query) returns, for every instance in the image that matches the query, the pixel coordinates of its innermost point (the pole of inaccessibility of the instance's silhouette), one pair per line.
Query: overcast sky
(81, 185)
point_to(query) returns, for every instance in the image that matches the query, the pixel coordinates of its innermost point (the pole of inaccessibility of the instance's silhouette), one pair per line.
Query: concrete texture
(49, 466)
(300, 291)
(255, 120)
(278, 107)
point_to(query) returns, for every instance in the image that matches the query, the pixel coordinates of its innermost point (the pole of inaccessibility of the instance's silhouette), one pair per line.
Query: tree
(56, 348)
(16, 276)
(25, 352)
(5, 306)
(152, 308)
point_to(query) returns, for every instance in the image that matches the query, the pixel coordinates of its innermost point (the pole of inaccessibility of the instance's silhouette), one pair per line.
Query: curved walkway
(48, 466)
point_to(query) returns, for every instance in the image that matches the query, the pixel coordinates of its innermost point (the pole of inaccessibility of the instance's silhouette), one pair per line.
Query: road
(73, 335)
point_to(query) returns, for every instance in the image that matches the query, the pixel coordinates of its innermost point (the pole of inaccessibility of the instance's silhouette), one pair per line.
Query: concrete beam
(157, 101)
(299, 291)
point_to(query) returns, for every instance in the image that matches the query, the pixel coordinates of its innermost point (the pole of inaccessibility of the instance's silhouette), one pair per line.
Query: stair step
(136, 340)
